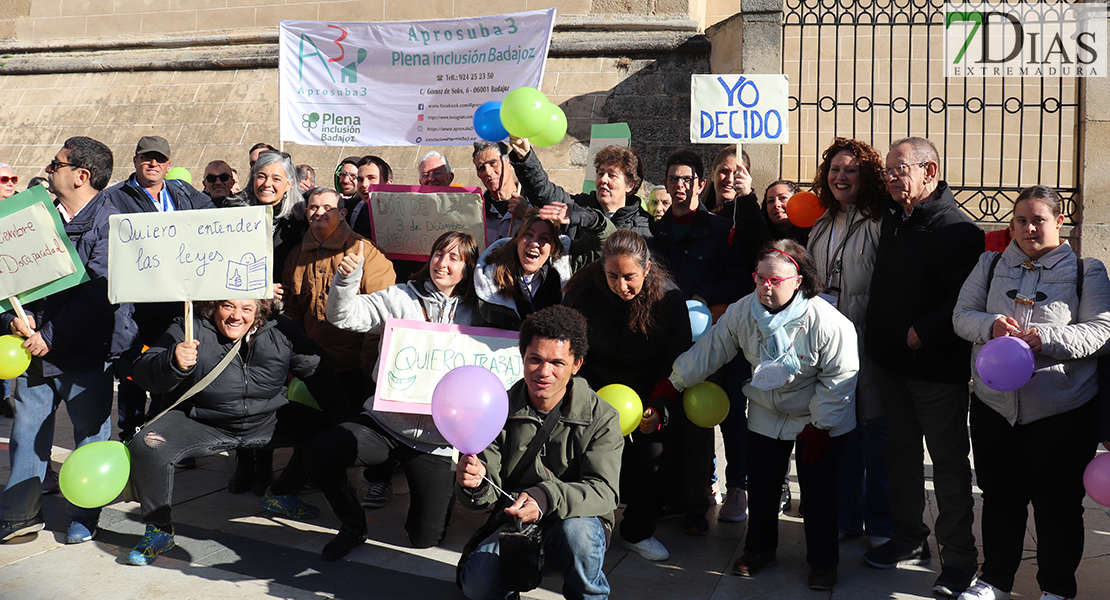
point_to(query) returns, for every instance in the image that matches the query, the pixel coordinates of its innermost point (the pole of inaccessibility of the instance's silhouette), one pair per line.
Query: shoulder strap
(533, 449)
(990, 271)
(203, 383)
(1079, 278)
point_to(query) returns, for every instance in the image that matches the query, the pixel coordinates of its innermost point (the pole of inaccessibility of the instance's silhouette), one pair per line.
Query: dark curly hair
(557, 322)
(264, 313)
(625, 159)
(872, 184)
(647, 313)
(811, 283)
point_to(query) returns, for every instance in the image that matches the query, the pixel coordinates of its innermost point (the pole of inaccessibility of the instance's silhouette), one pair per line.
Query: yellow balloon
(706, 404)
(14, 358)
(627, 403)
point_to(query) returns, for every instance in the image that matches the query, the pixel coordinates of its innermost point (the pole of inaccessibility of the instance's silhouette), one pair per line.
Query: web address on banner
(460, 138)
(453, 105)
(449, 128)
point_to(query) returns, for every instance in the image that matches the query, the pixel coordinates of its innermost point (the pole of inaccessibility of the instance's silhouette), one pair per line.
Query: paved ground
(228, 547)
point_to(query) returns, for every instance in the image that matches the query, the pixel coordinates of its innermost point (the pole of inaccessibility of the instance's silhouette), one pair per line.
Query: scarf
(773, 328)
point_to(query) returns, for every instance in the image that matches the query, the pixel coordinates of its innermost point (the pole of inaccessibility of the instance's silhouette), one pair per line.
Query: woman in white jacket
(441, 292)
(802, 392)
(1032, 444)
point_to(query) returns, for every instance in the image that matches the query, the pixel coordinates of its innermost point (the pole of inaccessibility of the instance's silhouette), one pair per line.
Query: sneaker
(348, 538)
(80, 531)
(288, 505)
(154, 542)
(890, 555)
(50, 482)
(981, 590)
(650, 549)
(735, 508)
(1051, 596)
(785, 502)
(696, 525)
(822, 579)
(378, 494)
(953, 580)
(713, 493)
(874, 541)
(752, 563)
(14, 529)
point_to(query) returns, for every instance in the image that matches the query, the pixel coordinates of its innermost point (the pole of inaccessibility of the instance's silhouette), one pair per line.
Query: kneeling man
(570, 487)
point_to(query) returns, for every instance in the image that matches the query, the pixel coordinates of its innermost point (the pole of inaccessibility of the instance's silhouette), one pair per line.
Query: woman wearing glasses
(800, 397)
(8, 180)
(1032, 444)
(843, 243)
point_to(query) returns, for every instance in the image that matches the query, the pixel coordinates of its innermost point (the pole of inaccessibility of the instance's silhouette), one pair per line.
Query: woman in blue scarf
(801, 393)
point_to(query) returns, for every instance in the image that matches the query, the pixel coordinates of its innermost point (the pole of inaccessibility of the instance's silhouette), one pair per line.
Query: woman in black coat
(638, 326)
(244, 406)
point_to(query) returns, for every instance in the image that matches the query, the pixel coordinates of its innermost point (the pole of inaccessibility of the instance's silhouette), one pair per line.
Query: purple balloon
(1096, 479)
(1005, 363)
(469, 407)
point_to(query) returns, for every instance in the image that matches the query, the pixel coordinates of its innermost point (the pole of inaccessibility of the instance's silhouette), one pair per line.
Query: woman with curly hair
(638, 325)
(844, 242)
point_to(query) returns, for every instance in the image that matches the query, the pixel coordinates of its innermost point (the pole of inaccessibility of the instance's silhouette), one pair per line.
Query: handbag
(524, 563)
(128, 494)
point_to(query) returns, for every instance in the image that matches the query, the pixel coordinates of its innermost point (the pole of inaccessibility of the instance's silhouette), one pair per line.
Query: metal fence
(873, 70)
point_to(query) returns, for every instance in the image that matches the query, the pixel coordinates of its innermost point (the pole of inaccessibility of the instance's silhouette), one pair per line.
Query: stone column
(1092, 236)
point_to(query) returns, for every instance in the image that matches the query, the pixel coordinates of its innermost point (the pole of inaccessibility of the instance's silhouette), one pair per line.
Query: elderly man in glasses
(148, 190)
(218, 181)
(927, 247)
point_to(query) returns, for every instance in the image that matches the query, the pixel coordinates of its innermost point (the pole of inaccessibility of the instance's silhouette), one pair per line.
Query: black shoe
(696, 525)
(263, 470)
(953, 580)
(822, 579)
(349, 537)
(752, 563)
(243, 477)
(890, 555)
(13, 529)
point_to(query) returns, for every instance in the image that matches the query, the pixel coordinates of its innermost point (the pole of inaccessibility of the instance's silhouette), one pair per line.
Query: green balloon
(524, 112)
(627, 403)
(298, 392)
(555, 130)
(180, 173)
(706, 404)
(94, 474)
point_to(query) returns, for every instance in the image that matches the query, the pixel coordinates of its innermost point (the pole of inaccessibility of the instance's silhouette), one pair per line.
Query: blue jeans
(577, 545)
(88, 398)
(864, 488)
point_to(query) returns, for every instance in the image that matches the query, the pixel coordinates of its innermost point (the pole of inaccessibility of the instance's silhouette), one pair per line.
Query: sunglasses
(54, 164)
(5, 179)
(222, 177)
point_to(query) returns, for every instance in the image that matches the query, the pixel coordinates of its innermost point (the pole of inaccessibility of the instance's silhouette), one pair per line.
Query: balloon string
(503, 492)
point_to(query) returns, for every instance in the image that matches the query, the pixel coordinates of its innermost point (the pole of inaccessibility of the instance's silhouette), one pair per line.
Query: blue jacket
(132, 200)
(703, 262)
(79, 325)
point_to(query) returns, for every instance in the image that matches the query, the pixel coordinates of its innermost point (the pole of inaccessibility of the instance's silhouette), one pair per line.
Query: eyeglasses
(688, 180)
(5, 179)
(771, 281)
(900, 169)
(54, 164)
(348, 176)
(153, 158)
(224, 177)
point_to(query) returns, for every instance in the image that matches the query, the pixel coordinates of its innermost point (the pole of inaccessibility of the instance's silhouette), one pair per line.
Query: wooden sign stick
(18, 308)
(188, 320)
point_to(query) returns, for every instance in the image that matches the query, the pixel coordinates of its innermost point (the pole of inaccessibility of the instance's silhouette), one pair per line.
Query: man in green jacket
(571, 487)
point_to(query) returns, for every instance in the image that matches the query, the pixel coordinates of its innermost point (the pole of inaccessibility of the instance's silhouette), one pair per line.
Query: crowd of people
(846, 344)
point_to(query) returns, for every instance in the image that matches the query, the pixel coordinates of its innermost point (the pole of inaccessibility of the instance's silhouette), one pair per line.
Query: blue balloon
(700, 318)
(487, 122)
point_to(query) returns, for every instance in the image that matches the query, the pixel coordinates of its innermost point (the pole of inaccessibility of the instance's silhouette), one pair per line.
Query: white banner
(739, 109)
(404, 83)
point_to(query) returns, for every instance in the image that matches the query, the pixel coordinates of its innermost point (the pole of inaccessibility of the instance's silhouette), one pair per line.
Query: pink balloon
(1096, 479)
(469, 407)
(1005, 363)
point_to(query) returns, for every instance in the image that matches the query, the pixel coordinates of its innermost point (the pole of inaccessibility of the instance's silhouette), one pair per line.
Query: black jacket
(751, 230)
(133, 200)
(919, 269)
(617, 354)
(249, 390)
(703, 262)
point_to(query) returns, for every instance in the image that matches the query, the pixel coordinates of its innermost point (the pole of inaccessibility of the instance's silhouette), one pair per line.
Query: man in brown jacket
(308, 274)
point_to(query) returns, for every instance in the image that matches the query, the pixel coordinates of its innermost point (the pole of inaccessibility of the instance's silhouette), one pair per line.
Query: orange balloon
(803, 209)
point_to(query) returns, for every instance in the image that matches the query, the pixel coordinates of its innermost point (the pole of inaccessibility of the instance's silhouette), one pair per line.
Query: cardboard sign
(36, 256)
(739, 109)
(416, 355)
(406, 220)
(212, 254)
(403, 83)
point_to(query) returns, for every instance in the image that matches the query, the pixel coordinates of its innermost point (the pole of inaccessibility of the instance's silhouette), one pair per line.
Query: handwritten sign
(416, 355)
(36, 256)
(739, 109)
(407, 219)
(212, 254)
